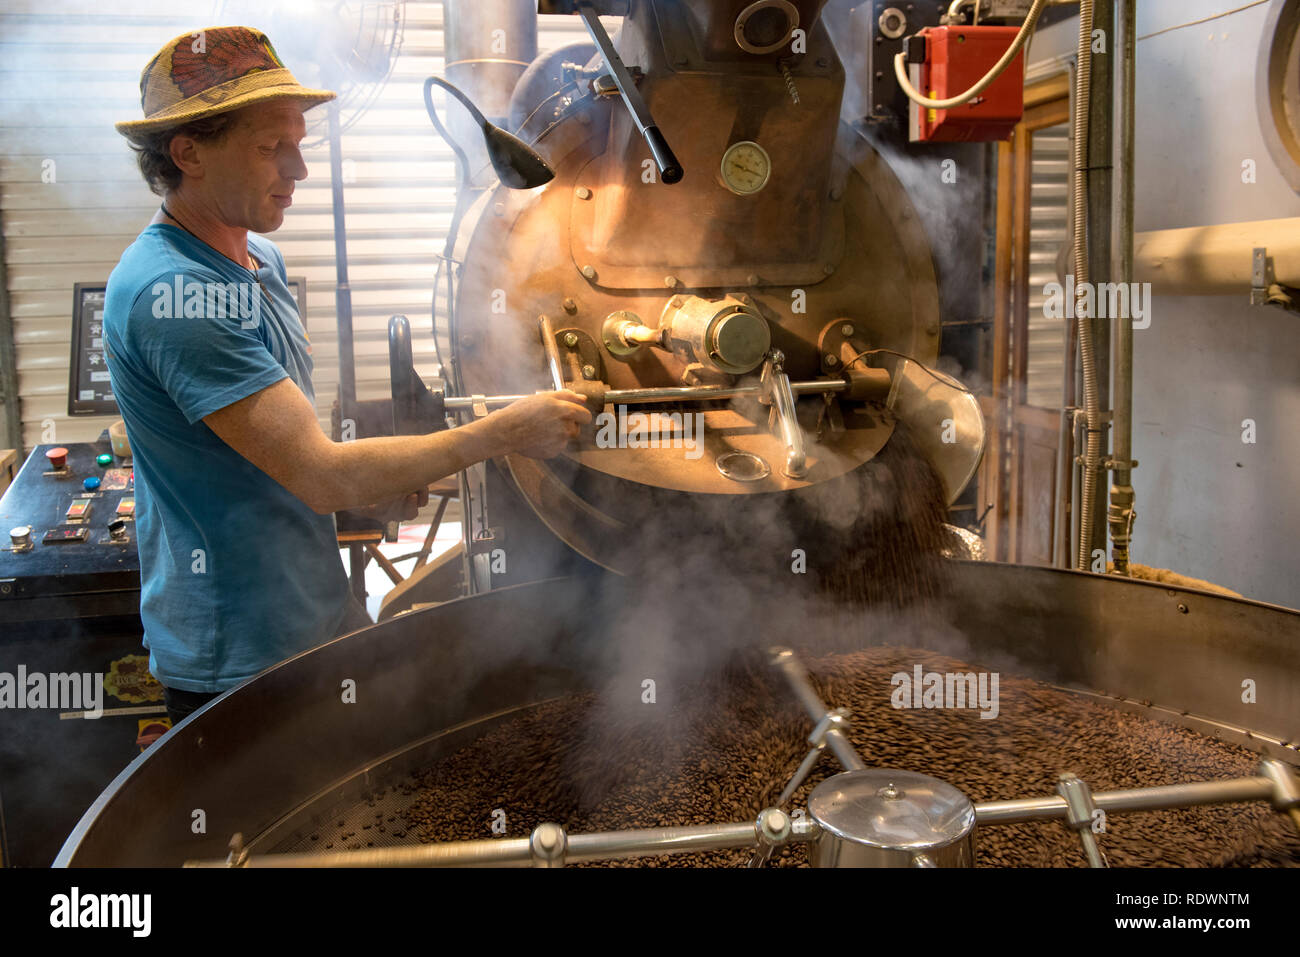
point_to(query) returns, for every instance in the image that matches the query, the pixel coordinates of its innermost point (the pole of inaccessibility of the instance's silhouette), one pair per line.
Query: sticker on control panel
(149, 730)
(129, 679)
(115, 480)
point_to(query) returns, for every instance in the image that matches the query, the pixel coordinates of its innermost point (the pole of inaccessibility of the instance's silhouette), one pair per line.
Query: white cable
(900, 68)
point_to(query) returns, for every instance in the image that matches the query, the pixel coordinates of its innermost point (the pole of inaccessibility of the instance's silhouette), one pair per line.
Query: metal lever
(777, 393)
(552, 352)
(828, 730)
(1078, 800)
(829, 724)
(669, 169)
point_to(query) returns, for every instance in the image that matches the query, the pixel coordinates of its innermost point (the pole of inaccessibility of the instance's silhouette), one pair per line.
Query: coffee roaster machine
(701, 233)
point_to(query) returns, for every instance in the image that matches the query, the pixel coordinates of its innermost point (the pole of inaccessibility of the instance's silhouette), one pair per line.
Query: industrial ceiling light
(516, 163)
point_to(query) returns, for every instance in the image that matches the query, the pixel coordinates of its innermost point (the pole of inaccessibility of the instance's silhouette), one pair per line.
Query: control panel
(68, 522)
(69, 606)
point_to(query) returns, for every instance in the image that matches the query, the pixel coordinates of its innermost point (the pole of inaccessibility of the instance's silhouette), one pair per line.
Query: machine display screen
(89, 390)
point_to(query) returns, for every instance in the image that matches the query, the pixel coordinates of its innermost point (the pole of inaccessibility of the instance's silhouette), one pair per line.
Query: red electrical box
(955, 59)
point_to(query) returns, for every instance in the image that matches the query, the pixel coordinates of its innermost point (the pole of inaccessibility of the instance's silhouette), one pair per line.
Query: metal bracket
(1264, 289)
(1259, 276)
(604, 84)
(486, 540)
(580, 354)
(837, 718)
(772, 828)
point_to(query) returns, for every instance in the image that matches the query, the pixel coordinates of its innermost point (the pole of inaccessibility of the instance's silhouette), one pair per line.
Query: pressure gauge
(746, 168)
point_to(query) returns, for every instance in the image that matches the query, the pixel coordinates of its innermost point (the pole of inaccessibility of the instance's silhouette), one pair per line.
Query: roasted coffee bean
(729, 745)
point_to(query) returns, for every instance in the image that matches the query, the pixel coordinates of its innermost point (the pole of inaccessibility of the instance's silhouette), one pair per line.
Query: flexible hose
(1079, 203)
(451, 373)
(900, 67)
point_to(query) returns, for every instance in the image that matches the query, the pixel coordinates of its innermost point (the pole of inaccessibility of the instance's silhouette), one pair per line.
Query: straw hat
(214, 71)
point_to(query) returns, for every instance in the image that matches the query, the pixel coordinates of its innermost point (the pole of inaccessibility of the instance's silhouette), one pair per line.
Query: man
(235, 481)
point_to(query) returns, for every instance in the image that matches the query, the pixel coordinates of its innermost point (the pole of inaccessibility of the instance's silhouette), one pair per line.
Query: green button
(105, 460)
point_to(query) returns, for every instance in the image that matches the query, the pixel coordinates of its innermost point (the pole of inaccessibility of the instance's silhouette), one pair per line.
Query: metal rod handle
(797, 676)
(1137, 799)
(685, 393)
(518, 852)
(779, 393)
(1080, 807)
(552, 352)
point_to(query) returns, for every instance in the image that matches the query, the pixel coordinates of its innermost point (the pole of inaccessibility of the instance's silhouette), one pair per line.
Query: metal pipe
(797, 677)
(1215, 260)
(1286, 788)
(342, 287)
(488, 44)
(1080, 425)
(1061, 500)
(666, 840)
(801, 772)
(1080, 157)
(1121, 514)
(552, 352)
(1138, 799)
(684, 393)
(518, 852)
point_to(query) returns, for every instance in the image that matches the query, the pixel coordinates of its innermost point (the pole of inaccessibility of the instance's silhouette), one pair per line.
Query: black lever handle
(670, 171)
(416, 409)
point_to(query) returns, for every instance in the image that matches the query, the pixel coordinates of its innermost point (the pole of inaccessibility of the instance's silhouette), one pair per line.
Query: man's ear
(185, 154)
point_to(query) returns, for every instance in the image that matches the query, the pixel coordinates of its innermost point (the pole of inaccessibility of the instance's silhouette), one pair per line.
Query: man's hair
(153, 150)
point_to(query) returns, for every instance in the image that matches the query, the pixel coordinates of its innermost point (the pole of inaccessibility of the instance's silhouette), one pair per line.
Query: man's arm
(276, 429)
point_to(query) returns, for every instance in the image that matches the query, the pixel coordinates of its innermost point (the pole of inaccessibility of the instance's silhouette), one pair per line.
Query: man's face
(249, 174)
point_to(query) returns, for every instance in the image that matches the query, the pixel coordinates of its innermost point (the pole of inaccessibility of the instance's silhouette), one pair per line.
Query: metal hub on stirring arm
(891, 818)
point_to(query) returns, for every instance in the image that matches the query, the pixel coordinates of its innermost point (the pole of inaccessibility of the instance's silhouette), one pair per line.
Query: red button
(58, 457)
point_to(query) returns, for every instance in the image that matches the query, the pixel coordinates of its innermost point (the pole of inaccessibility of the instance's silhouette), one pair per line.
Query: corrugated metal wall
(69, 70)
(1049, 206)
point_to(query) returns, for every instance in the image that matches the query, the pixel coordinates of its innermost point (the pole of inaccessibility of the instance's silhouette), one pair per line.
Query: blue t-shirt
(236, 572)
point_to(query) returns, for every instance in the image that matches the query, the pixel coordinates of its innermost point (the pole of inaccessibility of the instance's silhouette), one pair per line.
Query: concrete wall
(1210, 505)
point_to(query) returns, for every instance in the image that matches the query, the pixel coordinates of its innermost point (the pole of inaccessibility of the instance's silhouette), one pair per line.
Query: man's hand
(539, 426)
(276, 430)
